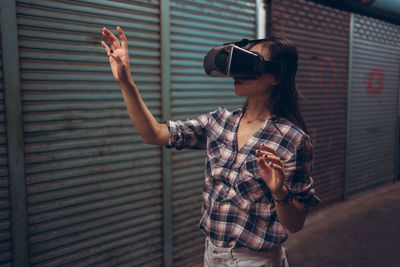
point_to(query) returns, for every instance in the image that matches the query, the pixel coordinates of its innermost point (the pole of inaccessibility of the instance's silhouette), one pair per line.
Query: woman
(258, 161)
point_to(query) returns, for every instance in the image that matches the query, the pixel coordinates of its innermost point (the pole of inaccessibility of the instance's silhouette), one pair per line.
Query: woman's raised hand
(273, 173)
(118, 55)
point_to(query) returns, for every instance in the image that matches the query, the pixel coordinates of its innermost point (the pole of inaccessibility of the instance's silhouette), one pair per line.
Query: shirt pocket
(250, 185)
(220, 153)
(214, 148)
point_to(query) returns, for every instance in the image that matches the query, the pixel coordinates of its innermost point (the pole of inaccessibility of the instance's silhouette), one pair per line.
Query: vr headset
(233, 60)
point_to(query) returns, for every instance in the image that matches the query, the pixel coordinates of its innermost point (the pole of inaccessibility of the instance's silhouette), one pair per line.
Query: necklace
(253, 120)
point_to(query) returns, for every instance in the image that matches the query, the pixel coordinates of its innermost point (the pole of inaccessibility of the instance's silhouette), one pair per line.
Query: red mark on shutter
(373, 76)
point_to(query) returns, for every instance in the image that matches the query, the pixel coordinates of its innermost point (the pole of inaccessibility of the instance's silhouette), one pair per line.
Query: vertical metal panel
(398, 130)
(321, 35)
(14, 134)
(349, 81)
(261, 14)
(166, 115)
(94, 189)
(5, 216)
(197, 26)
(371, 158)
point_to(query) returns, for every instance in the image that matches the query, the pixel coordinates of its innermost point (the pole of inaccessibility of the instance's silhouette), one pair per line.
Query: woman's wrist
(128, 86)
(281, 194)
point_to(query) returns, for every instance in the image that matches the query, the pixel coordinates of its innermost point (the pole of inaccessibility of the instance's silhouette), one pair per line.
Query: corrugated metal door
(321, 34)
(5, 216)
(197, 26)
(94, 190)
(372, 134)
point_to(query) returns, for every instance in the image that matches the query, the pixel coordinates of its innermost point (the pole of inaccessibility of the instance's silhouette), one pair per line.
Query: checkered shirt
(238, 210)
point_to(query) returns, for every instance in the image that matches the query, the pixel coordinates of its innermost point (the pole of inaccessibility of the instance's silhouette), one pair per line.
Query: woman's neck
(257, 109)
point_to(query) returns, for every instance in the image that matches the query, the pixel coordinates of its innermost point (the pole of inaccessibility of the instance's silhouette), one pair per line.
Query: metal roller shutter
(5, 217)
(373, 98)
(321, 35)
(94, 190)
(197, 26)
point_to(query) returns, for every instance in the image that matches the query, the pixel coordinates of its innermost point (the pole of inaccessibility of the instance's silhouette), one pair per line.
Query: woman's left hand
(273, 172)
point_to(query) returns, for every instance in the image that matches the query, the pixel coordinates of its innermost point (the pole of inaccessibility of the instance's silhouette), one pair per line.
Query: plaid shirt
(238, 210)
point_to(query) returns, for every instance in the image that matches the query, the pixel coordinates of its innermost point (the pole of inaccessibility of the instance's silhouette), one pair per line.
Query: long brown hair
(284, 98)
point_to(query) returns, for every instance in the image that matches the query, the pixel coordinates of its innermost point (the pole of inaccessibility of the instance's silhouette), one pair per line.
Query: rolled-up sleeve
(190, 134)
(299, 178)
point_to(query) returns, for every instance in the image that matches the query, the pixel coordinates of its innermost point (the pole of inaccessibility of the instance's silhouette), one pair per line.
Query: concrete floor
(363, 231)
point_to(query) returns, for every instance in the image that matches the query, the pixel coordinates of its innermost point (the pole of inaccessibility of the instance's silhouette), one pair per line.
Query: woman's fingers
(268, 154)
(266, 148)
(124, 41)
(111, 39)
(111, 53)
(266, 163)
(270, 157)
(277, 162)
(106, 48)
(262, 164)
(279, 169)
(116, 57)
(270, 165)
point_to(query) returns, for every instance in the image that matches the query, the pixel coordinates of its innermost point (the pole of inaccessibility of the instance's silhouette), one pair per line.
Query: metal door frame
(15, 136)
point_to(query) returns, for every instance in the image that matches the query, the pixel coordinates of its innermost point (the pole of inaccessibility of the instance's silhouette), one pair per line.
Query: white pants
(243, 257)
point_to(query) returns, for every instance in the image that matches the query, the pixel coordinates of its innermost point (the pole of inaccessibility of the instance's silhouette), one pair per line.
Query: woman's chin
(240, 91)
